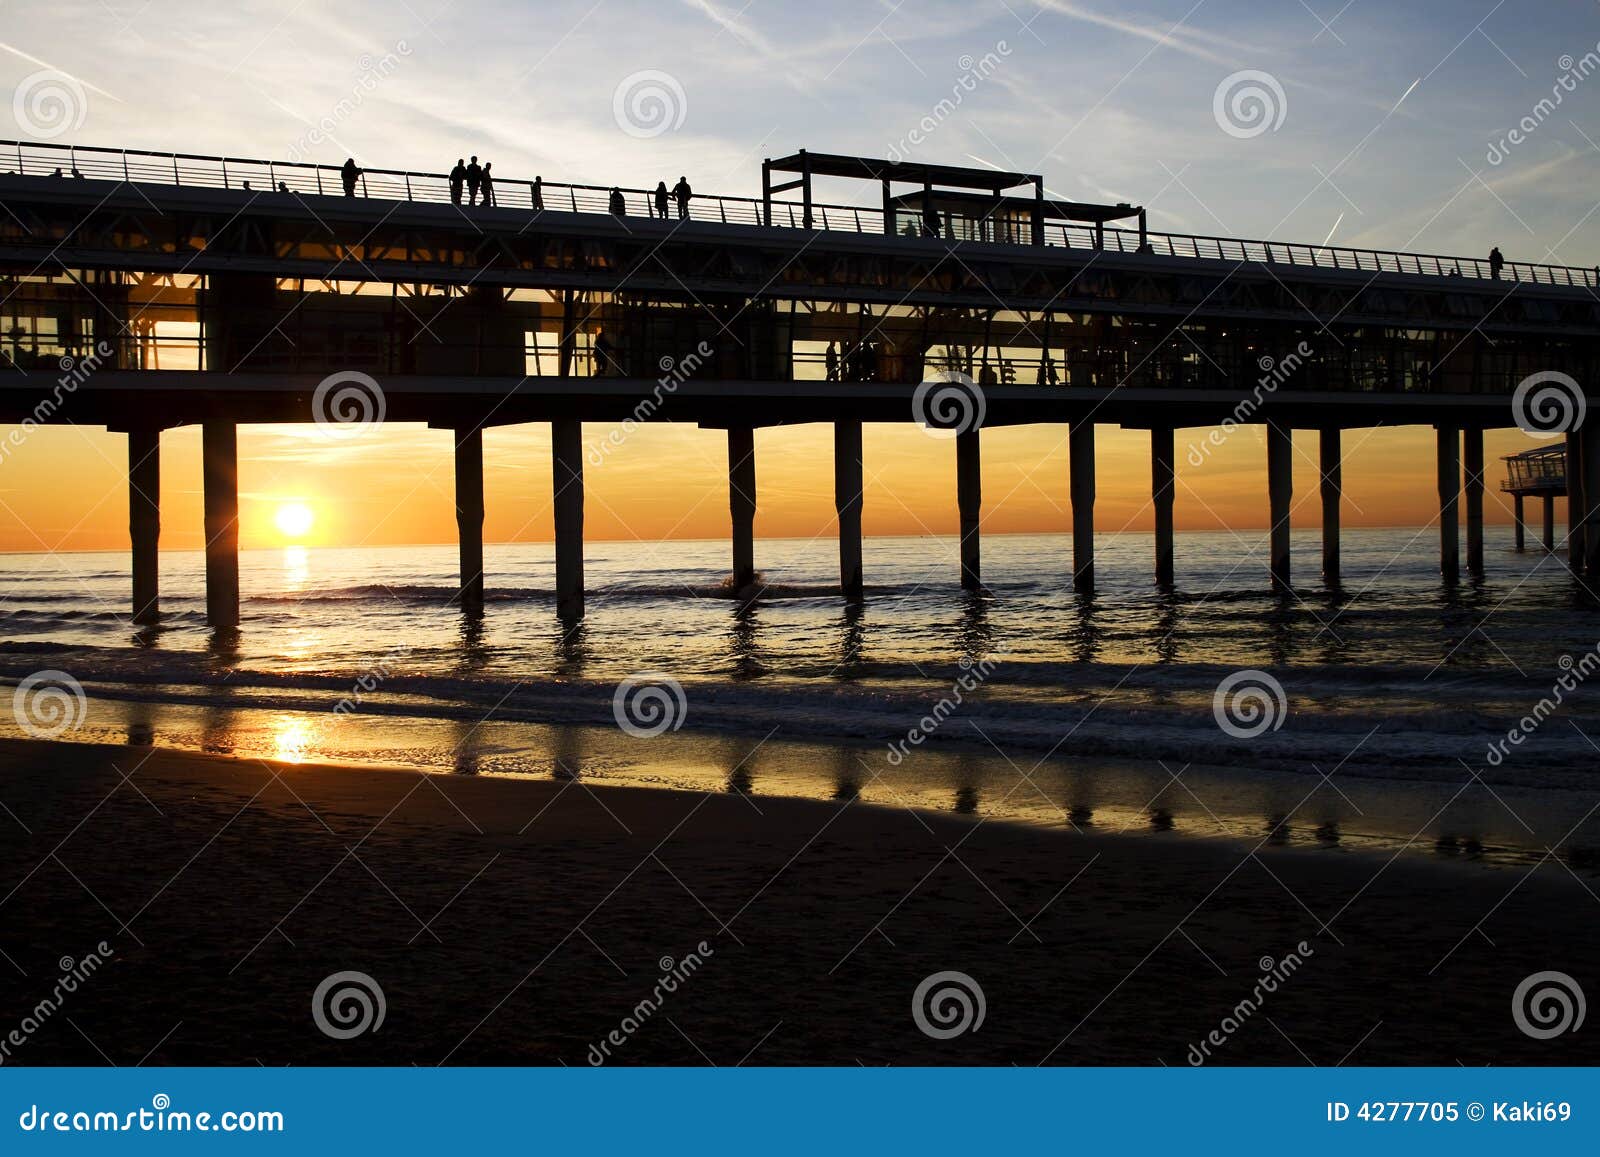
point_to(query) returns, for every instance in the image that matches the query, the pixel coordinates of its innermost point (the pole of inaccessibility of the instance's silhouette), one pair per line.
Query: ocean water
(1378, 713)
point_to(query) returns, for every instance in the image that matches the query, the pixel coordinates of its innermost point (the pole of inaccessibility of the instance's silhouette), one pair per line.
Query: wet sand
(520, 922)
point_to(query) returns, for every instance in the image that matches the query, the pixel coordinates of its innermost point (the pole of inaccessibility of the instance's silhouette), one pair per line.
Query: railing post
(408, 186)
(176, 179)
(572, 195)
(225, 184)
(125, 164)
(319, 180)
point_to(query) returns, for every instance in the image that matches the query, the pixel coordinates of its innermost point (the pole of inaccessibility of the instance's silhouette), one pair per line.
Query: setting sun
(294, 519)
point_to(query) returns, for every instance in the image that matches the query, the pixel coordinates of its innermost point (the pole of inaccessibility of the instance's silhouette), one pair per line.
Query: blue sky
(1108, 100)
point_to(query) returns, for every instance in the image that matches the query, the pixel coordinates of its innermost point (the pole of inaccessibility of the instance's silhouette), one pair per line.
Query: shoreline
(515, 921)
(1108, 792)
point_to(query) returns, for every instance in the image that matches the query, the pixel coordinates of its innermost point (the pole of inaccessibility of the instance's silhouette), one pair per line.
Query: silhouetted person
(348, 175)
(831, 360)
(682, 193)
(603, 361)
(538, 193)
(930, 222)
(486, 184)
(619, 206)
(1496, 262)
(458, 181)
(283, 187)
(474, 179)
(661, 200)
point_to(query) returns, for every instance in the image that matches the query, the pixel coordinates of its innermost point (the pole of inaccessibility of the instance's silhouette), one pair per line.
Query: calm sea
(1369, 715)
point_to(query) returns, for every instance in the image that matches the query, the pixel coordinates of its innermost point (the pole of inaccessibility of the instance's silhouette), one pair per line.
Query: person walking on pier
(619, 206)
(831, 360)
(538, 193)
(605, 365)
(1496, 262)
(349, 173)
(458, 179)
(474, 179)
(682, 193)
(486, 184)
(661, 200)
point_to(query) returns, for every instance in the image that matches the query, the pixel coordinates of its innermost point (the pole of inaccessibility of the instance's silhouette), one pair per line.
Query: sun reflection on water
(292, 739)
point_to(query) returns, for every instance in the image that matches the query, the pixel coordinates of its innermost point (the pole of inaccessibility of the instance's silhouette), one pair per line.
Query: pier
(216, 291)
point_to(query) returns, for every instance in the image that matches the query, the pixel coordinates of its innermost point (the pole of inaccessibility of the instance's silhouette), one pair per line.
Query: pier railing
(192, 170)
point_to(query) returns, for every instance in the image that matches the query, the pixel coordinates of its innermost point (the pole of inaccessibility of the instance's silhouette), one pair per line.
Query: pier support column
(1080, 447)
(1448, 440)
(1472, 466)
(1162, 484)
(1550, 522)
(220, 472)
(742, 502)
(969, 500)
(144, 520)
(469, 516)
(1330, 463)
(1520, 521)
(1574, 499)
(1280, 490)
(566, 453)
(1590, 433)
(847, 502)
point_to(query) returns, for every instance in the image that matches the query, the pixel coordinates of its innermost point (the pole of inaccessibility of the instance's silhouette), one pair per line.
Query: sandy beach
(522, 921)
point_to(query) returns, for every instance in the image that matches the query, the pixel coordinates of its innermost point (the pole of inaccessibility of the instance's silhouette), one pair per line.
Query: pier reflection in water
(1282, 809)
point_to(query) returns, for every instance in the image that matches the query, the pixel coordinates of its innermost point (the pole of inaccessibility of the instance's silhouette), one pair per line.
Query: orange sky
(64, 488)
